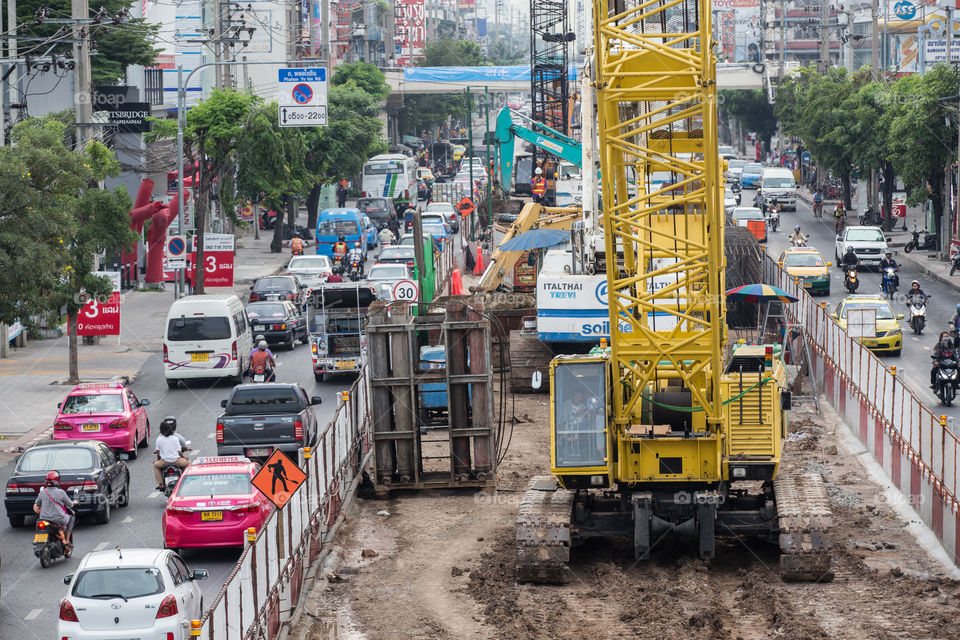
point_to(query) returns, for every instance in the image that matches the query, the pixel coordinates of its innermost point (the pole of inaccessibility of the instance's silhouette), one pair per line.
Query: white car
(734, 169)
(729, 200)
(312, 271)
(131, 593)
(448, 211)
(869, 244)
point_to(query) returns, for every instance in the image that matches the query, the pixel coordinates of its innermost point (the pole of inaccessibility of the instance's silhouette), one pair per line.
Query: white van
(778, 184)
(206, 337)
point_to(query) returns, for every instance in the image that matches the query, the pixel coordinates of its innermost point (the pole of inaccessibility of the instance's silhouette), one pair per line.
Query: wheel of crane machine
(590, 269)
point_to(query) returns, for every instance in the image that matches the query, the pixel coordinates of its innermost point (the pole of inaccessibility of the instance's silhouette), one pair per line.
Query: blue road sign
(302, 93)
(176, 247)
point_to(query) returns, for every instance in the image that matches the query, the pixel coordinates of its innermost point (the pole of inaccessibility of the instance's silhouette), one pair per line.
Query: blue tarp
(474, 75)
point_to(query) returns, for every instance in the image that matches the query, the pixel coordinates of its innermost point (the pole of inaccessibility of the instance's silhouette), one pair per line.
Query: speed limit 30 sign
(405, 291)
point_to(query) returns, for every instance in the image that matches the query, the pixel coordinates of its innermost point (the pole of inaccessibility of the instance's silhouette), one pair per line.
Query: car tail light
(166, 355)
(167, 608)
(233, 350)
(313, 348)
(363, 193)
(406, 193)
(60, 425)
(67, 614)
(298, 430)
(89, 485)
(291, 296)
(410, 264)
(176, 511)
(219, 432)
(252, 507)
(254, 297)
(122, 423)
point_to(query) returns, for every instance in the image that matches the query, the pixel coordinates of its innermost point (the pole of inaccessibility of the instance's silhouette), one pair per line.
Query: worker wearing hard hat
(538, 186)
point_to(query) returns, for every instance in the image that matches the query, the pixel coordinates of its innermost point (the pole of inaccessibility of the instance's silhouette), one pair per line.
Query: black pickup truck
(259, 418)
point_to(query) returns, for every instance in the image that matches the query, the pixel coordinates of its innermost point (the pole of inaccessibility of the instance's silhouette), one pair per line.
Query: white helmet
(538, 171)
(262, 345)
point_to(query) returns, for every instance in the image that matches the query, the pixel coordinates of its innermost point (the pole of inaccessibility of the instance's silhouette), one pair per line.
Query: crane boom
(558, 144)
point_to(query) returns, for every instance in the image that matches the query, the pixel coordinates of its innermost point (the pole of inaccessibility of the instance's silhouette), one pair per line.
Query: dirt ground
(441, 565)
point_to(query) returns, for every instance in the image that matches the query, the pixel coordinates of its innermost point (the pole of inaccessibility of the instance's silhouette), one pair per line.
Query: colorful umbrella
(760, 293)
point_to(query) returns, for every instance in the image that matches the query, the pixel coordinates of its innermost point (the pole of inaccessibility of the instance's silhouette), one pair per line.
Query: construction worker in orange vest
(538, 186)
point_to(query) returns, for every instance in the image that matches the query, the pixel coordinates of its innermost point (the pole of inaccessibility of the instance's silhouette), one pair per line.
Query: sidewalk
(33, 377)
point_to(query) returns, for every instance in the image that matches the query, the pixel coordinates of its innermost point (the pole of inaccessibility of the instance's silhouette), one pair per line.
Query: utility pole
(83, 109)
(824, 36)
(875, 68)
(325, 32)
(945, 226)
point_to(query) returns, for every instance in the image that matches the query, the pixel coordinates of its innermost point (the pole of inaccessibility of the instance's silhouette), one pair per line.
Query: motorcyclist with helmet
(888, 262)
(262, 357)
(850, 259)
(798, 239)
(168, 450)
(945, 345)
(340, 250)
(915, 290)
(357, 255)
(55, 506)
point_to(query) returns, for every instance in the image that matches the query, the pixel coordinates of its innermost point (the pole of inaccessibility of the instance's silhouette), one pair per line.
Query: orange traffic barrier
(456, 283)
(478, 268)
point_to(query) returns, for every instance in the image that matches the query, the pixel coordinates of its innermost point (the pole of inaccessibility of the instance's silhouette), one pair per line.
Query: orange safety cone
(478, 268)
(456, 283)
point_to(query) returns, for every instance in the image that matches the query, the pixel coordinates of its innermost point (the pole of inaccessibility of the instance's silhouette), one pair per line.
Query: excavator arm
(558, 144)
(532, 216)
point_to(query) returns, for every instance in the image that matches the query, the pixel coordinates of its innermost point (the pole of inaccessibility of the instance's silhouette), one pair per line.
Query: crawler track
(805, 521)
(543, 532)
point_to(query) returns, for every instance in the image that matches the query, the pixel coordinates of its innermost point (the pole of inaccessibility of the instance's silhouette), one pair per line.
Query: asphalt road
(31, 595)
(913, 365)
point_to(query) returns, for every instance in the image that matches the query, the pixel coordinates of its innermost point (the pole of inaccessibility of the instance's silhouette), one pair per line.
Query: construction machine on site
(668, 432)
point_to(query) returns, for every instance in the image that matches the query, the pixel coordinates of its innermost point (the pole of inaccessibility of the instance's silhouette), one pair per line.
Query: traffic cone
(456, 283)
(478, 268)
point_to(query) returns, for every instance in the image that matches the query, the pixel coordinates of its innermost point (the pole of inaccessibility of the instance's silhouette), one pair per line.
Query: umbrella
(535, 239)
(760, 293)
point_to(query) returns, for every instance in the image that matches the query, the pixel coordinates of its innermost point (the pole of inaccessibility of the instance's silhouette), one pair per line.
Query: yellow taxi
(425, 174)
(458, 151)
(807, 264)
(888, 337)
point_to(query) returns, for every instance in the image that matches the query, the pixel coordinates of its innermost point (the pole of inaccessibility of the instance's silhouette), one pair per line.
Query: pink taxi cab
(213, 504)
(104, 411)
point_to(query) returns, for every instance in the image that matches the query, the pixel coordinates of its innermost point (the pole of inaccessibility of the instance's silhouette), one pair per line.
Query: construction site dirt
(440, 564)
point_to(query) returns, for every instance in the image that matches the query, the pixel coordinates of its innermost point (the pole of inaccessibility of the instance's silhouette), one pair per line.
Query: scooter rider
(340, 250)
(915, 290)
(168, 451)
(758, 201)
(955, 321)
(356, 255)
(172, 426)
(797, 237)
(263, 358)
(385, 236)
(944, 345)
(54, 505)
(850, 259)
(888, 262)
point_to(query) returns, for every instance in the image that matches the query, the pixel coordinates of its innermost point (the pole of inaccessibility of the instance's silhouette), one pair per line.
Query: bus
(391, 175)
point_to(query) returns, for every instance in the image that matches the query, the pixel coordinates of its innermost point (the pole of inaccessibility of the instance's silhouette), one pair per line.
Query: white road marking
(101, 546)
(210, 435)
(33, 615)
(154, 494)
(127, 520)
(193, 454)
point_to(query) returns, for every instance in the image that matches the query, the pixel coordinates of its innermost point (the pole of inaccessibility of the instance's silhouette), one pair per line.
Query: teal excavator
(564, 147)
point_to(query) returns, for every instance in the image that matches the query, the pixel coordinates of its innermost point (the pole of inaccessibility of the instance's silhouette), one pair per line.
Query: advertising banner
(218, 259)
(410, 31)
(100, 316)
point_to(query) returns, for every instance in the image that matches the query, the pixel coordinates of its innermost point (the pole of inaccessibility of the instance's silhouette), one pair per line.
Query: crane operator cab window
(579, 397)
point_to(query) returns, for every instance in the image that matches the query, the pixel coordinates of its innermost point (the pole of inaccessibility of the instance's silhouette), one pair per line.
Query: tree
(366, 76)
(116, 45)
(423, 112)
(448, 52)
(870, 131)
(752, 109)
(920, 144)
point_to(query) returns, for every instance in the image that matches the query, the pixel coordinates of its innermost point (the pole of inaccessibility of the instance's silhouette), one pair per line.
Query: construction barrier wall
(915, 448)
(265, 587)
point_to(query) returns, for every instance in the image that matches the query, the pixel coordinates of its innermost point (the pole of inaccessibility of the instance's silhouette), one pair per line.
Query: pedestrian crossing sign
(279, 479)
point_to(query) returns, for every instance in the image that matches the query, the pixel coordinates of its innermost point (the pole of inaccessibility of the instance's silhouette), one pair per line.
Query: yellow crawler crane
(658, 437)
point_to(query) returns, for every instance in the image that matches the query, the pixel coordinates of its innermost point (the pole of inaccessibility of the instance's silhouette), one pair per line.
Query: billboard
(100, 316)
(410, 31)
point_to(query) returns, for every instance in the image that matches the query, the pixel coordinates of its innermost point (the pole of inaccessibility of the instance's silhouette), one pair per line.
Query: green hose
(696, 409)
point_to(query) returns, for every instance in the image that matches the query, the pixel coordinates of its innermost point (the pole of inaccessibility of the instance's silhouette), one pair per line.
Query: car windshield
(432, 218)
(865, 235)
(116, 582)
(381, 168)
(185, 329)
(736, 164)
(372, 206)
(274, 284)
(435, 229)
(59, 458)
(260, 395)
(397, 253)
(266, 310)
(753, 169)
(337, 228)
(728, 195)
(387, 272)
(213, 484)
(884, 312)
(802, 260)
(779, 183)
(439, 207)
(751, 213)
(309, 262)
(99, 403)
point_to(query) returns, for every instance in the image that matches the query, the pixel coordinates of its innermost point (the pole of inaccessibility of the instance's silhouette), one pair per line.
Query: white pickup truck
(868, 244)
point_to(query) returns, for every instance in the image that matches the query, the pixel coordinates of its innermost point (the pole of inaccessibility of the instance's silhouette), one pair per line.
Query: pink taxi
(213, 504)
(104, 411)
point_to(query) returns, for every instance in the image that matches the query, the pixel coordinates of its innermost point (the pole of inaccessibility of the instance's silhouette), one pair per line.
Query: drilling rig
(667, 433)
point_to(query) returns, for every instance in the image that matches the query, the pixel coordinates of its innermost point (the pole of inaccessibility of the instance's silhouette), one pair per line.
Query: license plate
(807, 285)
(200, 357)
(258, 377)
(40, 537)
(345, 364)
(90, 427)
(870, 343)
(209, 516)
(259, 452)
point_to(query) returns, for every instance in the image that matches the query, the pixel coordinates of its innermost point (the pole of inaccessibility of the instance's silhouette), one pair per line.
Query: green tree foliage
(752, 109)
(364, 75)
(116, 45)
(448, 52)
(423, 112)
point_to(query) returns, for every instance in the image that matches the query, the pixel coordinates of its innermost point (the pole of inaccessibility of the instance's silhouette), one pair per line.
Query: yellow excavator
(667, 433)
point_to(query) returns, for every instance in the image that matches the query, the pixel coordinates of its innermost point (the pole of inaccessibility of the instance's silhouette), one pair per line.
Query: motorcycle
(799, 242)
(773, 218)
(929, 242)
(955, 266)
(918, 313)
(171, 475)
(356, 270)
(869, 218)
(259, 374)
(47, 544)
(890, 281)
(850, 281)
(947, 379)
